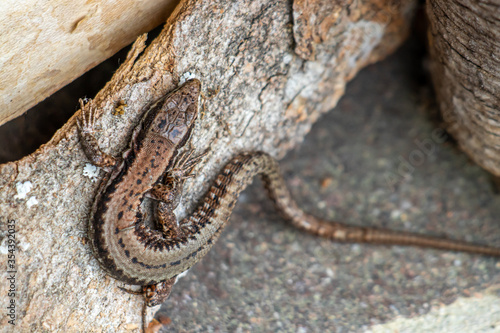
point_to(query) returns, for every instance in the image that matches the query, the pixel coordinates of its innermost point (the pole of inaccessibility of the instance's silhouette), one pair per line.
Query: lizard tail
(340, 232)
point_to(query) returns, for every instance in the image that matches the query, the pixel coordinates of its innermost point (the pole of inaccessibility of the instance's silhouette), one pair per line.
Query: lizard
(155, 166)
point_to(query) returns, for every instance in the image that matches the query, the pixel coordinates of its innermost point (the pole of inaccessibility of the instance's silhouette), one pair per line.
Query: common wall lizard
(132, 252)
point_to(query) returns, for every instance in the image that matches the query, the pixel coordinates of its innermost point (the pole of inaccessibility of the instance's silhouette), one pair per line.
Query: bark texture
(277, 67)
(465, 51)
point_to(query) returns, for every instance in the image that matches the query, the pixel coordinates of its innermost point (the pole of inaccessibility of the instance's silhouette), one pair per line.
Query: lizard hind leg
(168, 196)
(156, 294)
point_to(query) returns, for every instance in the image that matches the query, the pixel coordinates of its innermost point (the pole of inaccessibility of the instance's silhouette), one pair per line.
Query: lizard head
(173, 116)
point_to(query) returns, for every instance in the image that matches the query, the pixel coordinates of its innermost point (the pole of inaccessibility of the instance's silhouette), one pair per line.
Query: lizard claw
(86, 120)
(85, 123)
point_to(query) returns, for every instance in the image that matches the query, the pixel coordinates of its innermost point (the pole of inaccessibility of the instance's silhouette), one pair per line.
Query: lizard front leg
(169, 195)
(86, 129)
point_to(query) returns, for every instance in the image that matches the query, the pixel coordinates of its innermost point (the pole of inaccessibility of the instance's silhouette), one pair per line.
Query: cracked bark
(277, 65)
(464, 46)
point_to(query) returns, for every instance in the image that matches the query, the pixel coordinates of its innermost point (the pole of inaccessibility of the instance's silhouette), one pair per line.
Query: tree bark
(464, 42)
(277, 65)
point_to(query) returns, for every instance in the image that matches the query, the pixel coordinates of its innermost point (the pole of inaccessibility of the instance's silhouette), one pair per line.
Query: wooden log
(45, 45)
(464, 42)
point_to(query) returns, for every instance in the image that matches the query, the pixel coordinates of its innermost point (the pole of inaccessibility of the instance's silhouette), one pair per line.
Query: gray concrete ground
(378, 158)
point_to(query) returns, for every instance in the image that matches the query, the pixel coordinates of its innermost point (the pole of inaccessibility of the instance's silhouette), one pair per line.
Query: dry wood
(45, 45)
(465, 50)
